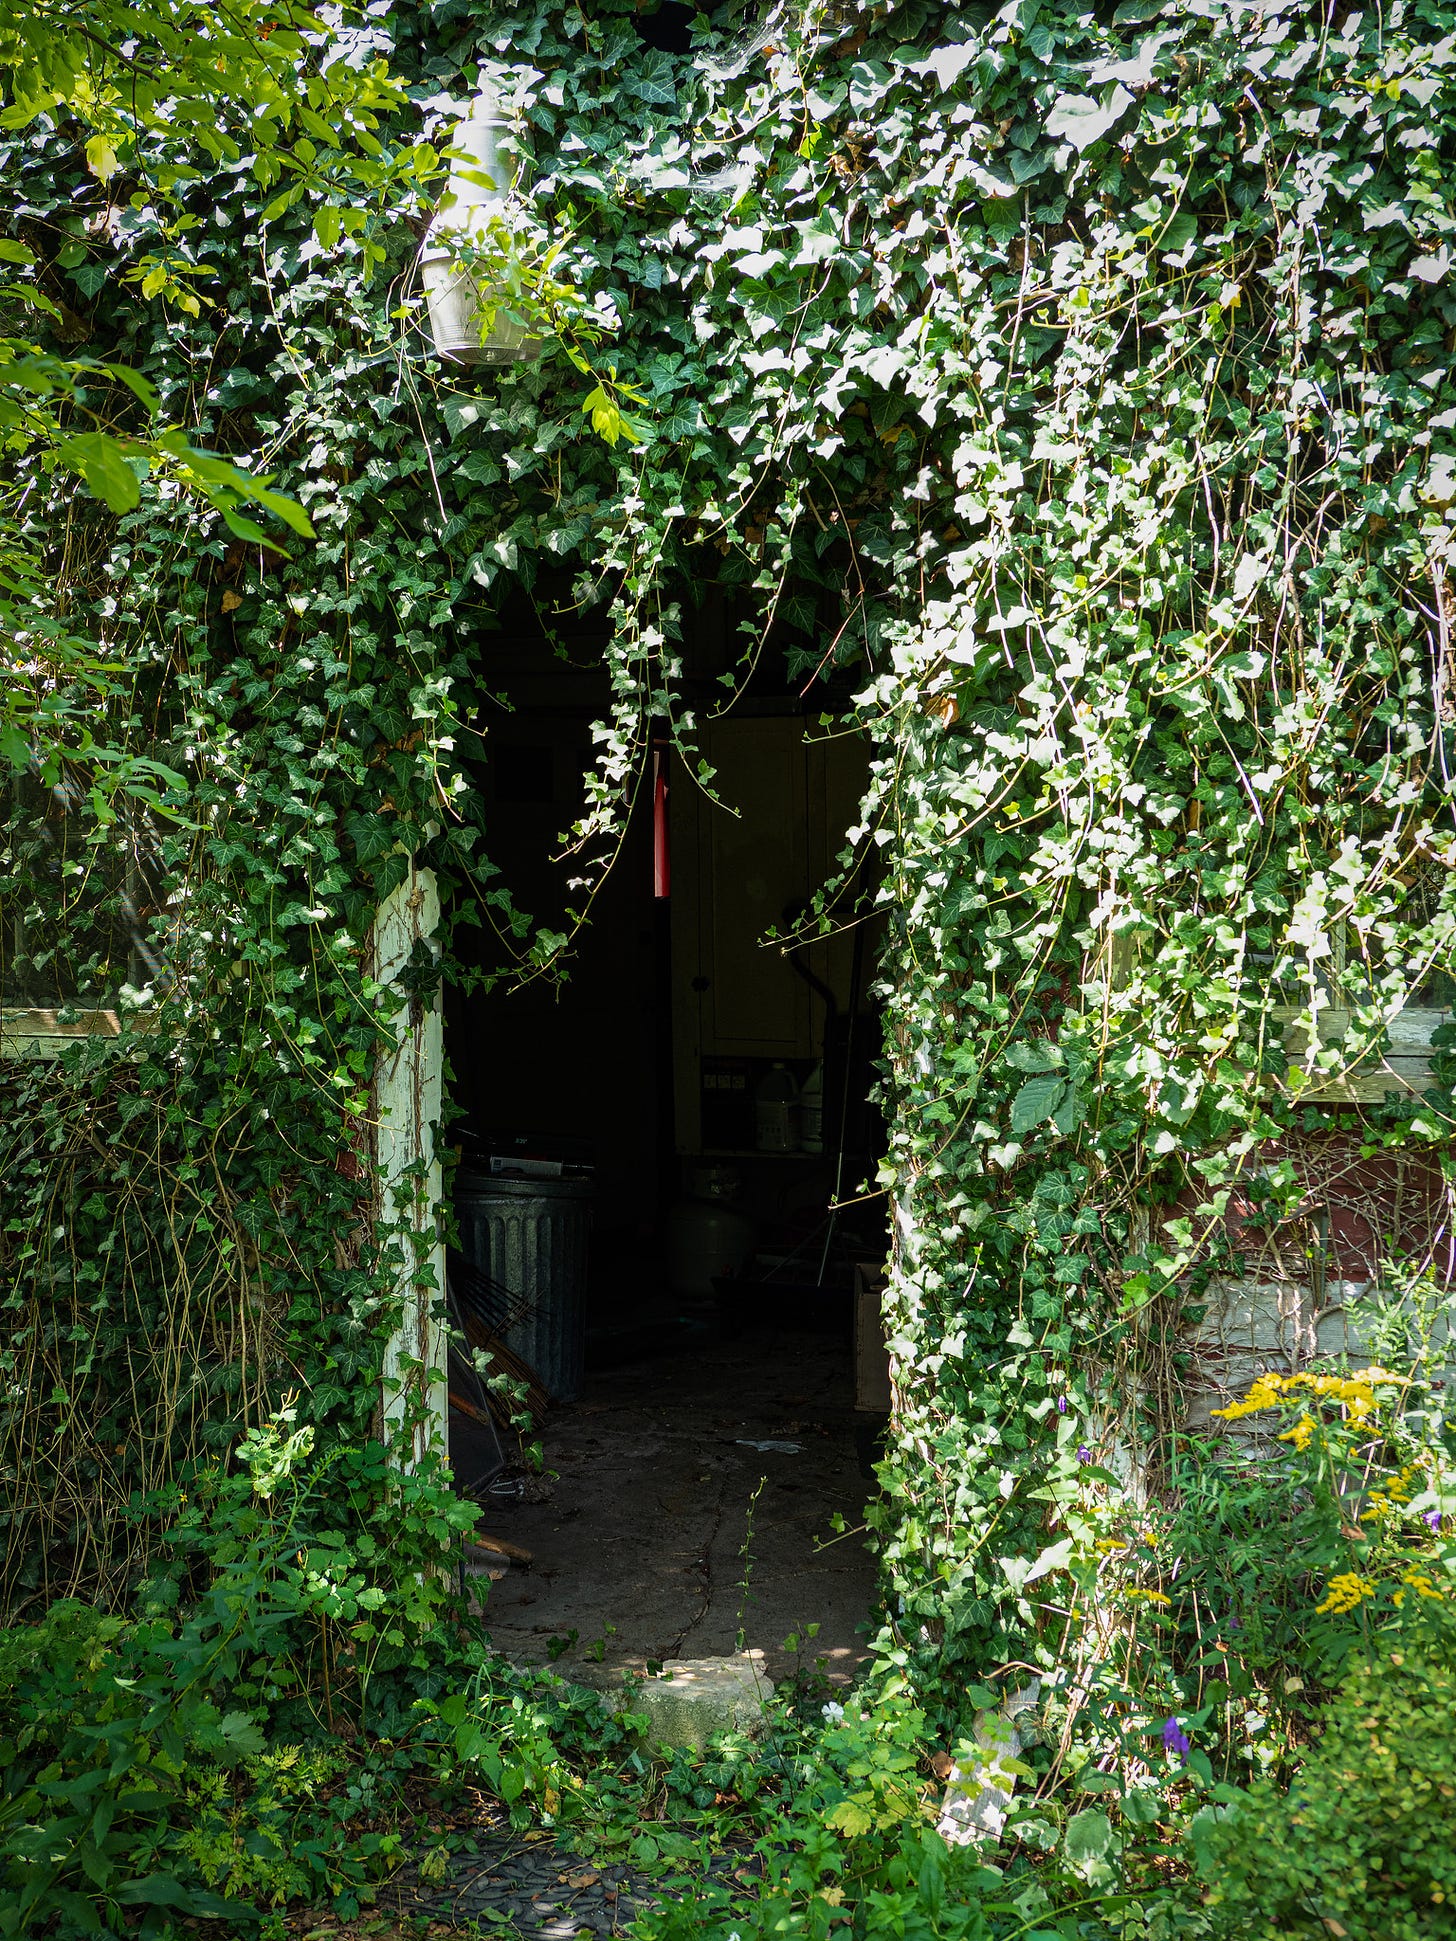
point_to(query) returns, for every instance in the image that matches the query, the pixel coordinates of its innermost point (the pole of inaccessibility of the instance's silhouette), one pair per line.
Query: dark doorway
(709, 1096)
(669, 25)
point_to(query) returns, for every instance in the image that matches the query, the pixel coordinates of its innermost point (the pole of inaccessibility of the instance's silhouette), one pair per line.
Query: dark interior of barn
(664, 1190)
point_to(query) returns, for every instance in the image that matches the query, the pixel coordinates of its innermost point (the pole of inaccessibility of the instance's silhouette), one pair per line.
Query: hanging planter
(469, 320)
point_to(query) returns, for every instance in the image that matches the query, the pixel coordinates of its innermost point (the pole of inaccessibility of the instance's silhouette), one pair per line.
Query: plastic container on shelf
(811, 1111)
(776, 1111)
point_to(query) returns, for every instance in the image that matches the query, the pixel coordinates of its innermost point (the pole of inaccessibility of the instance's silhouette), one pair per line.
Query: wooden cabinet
(743, 865)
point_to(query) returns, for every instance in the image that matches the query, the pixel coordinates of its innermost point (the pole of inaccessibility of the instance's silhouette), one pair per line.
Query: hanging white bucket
(460, 321)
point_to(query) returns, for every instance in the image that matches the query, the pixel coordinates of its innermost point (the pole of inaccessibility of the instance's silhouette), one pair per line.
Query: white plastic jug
(811, 1111)
(776, 1111)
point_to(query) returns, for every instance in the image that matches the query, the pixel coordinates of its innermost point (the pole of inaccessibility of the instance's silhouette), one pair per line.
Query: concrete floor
(643, 1546)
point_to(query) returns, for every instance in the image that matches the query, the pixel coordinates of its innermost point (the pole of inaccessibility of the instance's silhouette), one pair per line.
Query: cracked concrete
(643, 1547)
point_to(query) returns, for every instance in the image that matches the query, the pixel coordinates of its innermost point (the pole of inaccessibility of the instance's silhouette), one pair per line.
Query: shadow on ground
(666, 1535)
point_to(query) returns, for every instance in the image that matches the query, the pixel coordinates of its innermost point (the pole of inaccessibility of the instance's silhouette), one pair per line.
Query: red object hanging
(661, 843)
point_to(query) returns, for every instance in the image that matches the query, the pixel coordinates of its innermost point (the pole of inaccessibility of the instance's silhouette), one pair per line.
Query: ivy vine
(1072, 382)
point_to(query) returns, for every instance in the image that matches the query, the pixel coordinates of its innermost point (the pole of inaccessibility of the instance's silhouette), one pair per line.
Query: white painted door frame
(408, 1094)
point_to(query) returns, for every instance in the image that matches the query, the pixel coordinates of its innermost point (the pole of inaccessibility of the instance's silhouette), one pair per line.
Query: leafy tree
(152, 93)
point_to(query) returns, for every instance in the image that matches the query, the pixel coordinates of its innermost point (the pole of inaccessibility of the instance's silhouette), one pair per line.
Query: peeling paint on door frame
(408, 1092)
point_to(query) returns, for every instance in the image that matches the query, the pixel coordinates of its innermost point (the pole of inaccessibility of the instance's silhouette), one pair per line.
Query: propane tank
(708, 1236)
(478, 188)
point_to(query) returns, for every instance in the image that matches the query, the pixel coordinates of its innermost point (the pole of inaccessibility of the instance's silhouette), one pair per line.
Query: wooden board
(873, 1391)
(1404, 1069)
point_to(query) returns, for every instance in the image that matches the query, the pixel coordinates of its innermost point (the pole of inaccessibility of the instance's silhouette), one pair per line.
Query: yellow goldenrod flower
(1353, 1392)
(1263, 1394)
(1420, 1583)
(1345, 1591)
(1300, 1434)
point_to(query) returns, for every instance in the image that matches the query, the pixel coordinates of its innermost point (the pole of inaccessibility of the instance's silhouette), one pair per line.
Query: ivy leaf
(1247, 666)
(1082, 120)
(1035, 1103)
(1136, 69)
(1430, 268)
(1056, 1557)
(1179, 1096)
(946, 63)
(656, 81)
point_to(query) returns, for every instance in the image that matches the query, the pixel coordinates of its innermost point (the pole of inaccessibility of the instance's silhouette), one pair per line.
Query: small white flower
(833, 1712)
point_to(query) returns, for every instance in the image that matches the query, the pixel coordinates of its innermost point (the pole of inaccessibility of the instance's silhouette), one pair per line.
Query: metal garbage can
(530, 1237)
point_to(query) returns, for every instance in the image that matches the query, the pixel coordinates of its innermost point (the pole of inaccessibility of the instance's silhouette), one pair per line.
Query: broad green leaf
(1034, 1055)
(282, 507)
(101, 461)
(1035, 1103)
(849, 1818)
(243, 1734)
(1088, 1836)
(1055, 1557)
(140, 387)
(101, 157)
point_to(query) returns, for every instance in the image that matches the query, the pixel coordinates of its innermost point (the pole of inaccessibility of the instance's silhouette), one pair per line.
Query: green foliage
(1284, 1554)
(1364, 1842)
(151, 1766)
(1074, 386)
(143, 89)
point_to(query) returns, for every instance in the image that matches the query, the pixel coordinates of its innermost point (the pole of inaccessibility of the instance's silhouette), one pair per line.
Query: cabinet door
(736, 864)
(753, 865)
(767, 843)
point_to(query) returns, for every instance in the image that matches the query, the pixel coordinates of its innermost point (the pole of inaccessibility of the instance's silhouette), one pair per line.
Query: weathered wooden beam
(407, 1097)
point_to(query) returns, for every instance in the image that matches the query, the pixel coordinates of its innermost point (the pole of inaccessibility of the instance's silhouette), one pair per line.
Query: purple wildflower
(1084, 1454)
(1432, 1520)
(1176, 1740)
(1061, 1405)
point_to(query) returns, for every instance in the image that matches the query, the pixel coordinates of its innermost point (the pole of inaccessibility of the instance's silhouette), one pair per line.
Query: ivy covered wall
(1077, 383)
